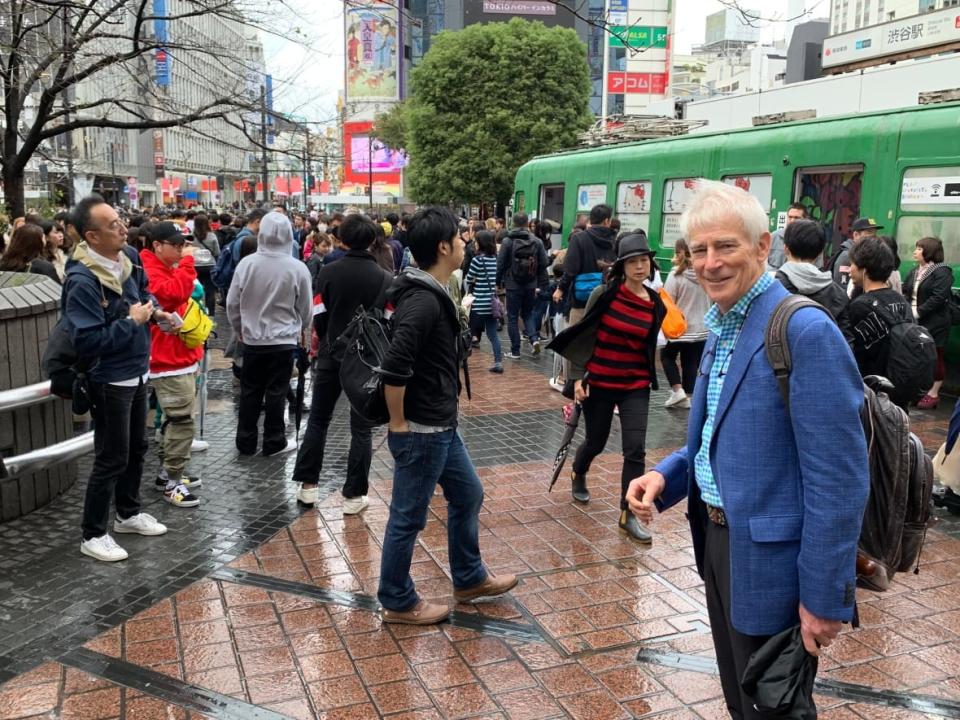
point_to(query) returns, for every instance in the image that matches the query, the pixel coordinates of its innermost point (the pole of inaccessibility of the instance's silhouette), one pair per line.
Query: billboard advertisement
(379, 159)
(548, 12)
(358, 171)
(372, 50)
(161, 56)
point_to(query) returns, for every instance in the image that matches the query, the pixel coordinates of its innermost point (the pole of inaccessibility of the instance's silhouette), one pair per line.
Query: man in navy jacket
(106, 307)
(775, 497)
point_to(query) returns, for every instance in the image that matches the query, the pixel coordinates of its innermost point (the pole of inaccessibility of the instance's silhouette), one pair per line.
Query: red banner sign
(631, 83)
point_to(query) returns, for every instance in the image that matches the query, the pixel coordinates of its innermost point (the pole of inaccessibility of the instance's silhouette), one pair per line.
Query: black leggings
(689, 353)
(597, 416)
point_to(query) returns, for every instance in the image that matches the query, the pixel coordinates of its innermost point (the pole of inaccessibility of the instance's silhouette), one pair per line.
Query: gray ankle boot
(580, 492)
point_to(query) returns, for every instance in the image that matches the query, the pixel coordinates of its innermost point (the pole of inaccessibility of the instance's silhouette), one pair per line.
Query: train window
(676, 195)
(520, 204)
(832, 197)
(930, 189)
(911, 228)
(590, 195)
(633, 204)
(760, 186)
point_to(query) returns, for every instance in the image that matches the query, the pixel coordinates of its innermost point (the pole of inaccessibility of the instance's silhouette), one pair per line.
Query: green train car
(900, 167)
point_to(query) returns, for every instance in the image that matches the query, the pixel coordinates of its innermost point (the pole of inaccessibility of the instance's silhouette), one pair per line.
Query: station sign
(930, 30)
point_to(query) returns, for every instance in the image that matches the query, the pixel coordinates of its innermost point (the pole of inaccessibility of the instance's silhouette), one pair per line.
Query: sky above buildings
(306, 57)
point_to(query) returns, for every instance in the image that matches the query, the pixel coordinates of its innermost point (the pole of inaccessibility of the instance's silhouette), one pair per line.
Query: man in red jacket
(173, 366)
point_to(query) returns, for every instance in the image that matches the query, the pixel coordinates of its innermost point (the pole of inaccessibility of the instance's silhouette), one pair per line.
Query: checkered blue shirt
(726, 327)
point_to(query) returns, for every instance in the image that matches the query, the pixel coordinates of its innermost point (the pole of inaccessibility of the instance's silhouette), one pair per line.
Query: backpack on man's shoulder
(222, 273)
(523, 265)
(901, 475)
(911, 357)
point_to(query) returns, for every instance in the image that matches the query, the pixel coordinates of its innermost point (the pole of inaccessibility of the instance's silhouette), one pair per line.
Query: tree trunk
(13, 189)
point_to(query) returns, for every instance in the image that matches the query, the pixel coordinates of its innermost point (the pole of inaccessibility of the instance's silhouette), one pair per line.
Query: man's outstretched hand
(642, 492)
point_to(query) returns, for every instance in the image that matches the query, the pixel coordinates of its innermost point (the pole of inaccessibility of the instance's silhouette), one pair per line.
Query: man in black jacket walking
(355, 281)
(421, 382)
(522, 269)
(589, 256)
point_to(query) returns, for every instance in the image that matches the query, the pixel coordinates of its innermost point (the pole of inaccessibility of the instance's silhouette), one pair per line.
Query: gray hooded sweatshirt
(270, 300)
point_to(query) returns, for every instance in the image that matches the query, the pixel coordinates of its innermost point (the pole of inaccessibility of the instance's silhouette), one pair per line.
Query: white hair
(716, 203)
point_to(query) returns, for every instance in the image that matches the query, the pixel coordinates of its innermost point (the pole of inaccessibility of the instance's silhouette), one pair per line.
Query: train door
(551, 203)
(832, 196)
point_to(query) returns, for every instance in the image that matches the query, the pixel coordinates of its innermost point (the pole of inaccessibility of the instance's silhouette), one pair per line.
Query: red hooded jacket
(172, 287)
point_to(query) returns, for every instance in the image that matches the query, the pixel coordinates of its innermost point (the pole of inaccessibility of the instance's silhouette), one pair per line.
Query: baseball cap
(865, 224)
(167, 232)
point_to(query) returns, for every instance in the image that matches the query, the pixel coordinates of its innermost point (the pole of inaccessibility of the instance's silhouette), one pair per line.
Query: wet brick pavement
(254, 608)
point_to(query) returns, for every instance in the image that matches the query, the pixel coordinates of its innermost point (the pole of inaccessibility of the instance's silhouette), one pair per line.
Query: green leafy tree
(392, 128)
(485, 100)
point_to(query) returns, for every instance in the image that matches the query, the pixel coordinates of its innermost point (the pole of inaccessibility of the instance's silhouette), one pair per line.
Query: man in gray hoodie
(269, 307)
(803, 242)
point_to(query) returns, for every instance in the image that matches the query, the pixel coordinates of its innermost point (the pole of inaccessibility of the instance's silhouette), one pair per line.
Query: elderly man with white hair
(775, 496)
(270, 305)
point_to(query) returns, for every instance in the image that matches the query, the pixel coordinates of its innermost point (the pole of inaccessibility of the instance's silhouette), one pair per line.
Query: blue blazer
(794, 485)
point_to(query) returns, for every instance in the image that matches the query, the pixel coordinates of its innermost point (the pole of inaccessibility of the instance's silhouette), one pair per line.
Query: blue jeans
(540, 306)
(421, 460)
(488, 324)
(520, 305)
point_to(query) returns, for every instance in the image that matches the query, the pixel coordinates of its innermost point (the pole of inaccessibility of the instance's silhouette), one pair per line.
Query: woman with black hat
(611, 353)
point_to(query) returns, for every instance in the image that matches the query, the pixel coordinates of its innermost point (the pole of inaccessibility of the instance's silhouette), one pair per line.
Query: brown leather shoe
(492, 586)
(423, 613)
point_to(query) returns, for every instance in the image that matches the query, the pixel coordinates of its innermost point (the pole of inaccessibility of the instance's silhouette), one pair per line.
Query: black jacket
(933, 301)
(832, 297)
(577, 342)
(590, 251)
(426, 349)
(343, 287)
(505, 262)
(868, 330)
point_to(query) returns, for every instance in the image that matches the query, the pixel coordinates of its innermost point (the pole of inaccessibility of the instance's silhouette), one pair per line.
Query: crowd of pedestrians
(775, 521)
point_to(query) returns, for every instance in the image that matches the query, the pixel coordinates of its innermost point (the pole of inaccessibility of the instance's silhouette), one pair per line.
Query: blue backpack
(222, 273)
(585, 283)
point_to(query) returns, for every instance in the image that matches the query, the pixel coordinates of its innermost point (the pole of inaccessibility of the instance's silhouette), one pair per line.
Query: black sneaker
(191, 482)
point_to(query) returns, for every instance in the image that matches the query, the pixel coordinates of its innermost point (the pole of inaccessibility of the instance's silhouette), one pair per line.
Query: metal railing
(41, 458)
(25, 396)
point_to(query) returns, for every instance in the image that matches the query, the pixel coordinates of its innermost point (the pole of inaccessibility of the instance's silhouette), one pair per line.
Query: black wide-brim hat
(631, 245)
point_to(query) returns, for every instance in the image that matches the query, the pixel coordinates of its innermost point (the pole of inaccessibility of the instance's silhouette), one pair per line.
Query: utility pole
(306, 170)
(66, 112)
(113, 177)
(604, 91)
(370, 169)
(264, 173)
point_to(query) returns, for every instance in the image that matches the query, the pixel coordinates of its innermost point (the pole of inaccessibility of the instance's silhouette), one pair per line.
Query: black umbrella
(779, 677)
(571, 418)
(303, 364)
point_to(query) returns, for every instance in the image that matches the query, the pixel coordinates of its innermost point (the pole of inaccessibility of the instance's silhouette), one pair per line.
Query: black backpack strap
(776, 343)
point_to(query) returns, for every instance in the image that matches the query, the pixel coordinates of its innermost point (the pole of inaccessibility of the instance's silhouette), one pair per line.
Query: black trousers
(689, 353)
(326, 391)
(119, 445)
(264, 382)
(733, 648)
(598, 415)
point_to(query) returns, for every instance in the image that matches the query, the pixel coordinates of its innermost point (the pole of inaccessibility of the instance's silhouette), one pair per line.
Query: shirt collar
(114, 267)
(715, 320)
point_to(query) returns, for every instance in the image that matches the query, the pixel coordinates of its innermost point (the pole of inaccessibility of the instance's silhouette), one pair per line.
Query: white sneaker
(676, 397)
(307, 496)
(684, 404)
(140, 524)
(556, 385)
(352, 506)
(199, 445)
(103, 548)
(289, 447)
(180, 496)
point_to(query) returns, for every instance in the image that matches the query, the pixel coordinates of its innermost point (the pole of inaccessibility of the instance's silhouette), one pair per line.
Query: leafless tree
(69, 65)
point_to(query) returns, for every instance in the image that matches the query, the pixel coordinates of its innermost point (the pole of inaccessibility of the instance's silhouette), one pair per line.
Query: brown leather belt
(717, 515)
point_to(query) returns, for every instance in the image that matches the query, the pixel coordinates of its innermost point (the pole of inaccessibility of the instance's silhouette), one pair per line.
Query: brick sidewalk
(289, 628)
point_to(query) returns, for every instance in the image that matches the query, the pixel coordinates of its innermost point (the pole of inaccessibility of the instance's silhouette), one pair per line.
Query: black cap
(167, 232)
(863, 223)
